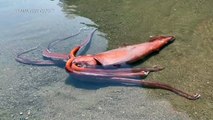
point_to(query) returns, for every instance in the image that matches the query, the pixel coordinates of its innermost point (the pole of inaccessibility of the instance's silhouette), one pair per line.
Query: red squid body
(126, 54)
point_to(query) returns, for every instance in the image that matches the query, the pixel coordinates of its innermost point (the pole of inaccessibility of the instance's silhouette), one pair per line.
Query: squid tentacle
(28, 61)
(57, 57)
(107, 74)
(120, 70)
(158, 85)
(123, 78)
(47, 53)
(53, 55)
(51, 44)
(101, 72)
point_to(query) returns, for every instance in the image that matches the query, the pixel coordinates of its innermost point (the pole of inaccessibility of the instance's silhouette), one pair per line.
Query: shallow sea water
(32, 92)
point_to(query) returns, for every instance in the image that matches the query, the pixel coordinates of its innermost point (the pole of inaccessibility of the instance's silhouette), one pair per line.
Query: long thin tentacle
(157, 85)
(47, 53)
(53, 55)
(51, 44)
(87, 40)
(125, 72)
(21, 59)
(107, 74)
(120, 70)
(57, 57)
(122, 78)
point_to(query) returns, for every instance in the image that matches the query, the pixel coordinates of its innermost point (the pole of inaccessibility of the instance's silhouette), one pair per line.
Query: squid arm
(56, 57)
(21, 59)
(148, 84)
(157, 85)
(47, 53)
(59, 56)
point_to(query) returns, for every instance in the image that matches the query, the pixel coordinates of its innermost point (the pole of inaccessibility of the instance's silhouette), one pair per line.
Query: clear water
(25, 24)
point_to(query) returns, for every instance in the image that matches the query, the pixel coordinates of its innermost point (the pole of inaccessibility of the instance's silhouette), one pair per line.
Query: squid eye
(80, 65)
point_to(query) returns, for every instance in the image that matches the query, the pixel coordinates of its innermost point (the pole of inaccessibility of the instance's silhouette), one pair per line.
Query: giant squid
(109, 64)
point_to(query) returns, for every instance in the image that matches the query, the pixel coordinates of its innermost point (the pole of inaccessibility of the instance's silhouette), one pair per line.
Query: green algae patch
(188, 61)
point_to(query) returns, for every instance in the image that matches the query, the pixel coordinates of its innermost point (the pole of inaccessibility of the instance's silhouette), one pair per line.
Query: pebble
(28, 112)
(99, 108)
